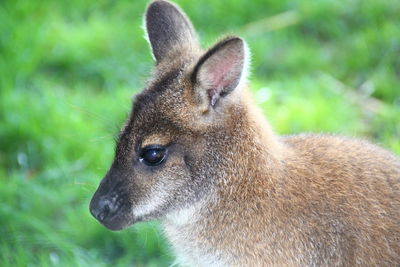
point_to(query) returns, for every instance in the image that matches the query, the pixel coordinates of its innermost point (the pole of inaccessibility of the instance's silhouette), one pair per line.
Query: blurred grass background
(68, 70)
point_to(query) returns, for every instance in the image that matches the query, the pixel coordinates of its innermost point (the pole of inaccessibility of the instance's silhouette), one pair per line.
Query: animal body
(197, 155)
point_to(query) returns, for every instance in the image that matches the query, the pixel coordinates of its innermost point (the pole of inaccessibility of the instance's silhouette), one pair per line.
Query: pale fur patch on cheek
(185, 215)
(154, 201)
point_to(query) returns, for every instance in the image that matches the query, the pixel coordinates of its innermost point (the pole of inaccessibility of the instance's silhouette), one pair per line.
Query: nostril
(102, 210)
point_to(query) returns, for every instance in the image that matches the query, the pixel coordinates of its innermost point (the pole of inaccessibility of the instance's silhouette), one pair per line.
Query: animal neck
(257, 152)
(244, 190)
(252, 159)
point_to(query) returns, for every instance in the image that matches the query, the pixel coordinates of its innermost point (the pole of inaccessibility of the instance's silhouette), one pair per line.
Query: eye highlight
(153, 155)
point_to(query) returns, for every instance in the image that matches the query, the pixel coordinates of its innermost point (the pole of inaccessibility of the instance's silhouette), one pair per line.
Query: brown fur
(233, 193)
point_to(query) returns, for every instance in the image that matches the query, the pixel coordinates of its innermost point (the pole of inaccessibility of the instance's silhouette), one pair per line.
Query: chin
(115, 226)
(117, 223)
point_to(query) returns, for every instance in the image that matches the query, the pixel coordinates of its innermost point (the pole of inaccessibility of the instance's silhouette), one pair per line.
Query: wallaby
(197, 155)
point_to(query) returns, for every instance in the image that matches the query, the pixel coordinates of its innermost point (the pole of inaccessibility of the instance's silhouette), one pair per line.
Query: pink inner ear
(220, 75)
(221, 72)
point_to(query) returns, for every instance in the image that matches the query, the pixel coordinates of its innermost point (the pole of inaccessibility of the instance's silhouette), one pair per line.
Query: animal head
(175, 144)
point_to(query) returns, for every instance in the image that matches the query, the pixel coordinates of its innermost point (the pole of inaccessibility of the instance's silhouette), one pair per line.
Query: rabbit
(197, 155)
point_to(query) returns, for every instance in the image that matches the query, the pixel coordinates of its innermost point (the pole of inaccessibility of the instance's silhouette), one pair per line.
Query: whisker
(90, 113)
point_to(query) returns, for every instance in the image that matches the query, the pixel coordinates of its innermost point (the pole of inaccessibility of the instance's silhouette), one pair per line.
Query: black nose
(102, 208)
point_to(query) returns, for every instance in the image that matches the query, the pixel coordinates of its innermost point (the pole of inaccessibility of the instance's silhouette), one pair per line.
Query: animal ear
(168, 28)
(220, 71)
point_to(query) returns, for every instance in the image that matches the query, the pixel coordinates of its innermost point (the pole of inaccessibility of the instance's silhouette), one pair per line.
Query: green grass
(68, 70)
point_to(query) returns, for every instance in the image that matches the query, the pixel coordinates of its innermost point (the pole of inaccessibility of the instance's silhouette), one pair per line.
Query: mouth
(115, 223)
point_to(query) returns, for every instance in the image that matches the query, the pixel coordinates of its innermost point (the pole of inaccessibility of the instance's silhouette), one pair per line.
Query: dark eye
(152, 155)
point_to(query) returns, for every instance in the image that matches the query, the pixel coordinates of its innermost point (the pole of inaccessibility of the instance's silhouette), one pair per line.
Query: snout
(108, 211)
(102, 209)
